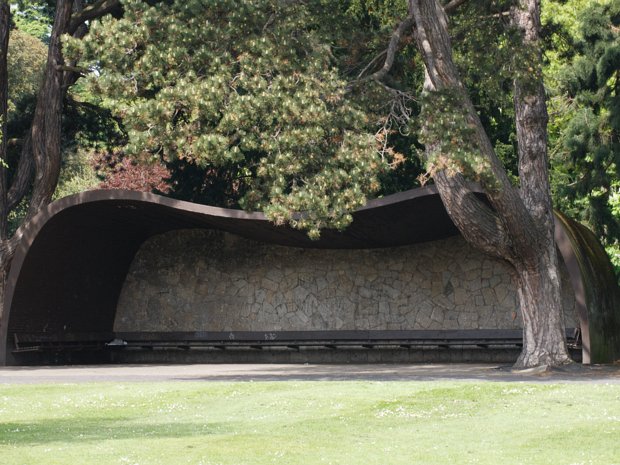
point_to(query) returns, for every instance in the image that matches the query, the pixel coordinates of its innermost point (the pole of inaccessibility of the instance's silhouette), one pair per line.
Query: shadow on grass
(97, 429)
(409, 372)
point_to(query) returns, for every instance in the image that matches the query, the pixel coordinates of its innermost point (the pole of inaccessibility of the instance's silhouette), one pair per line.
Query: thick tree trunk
(538, 286)
(544, 340)
(519, 226)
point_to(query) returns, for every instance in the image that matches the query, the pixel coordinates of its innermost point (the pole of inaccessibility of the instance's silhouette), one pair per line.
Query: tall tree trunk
(42, 147)
(5, 23)
(22, 180)
(539, 281)
(518, 227)
(46, 125)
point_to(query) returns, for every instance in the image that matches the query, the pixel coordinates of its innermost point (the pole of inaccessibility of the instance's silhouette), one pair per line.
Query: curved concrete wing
(596, 290)
(73, 258)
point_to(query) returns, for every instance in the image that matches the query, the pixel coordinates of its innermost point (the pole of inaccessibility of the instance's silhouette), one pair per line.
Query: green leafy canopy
(244, 85)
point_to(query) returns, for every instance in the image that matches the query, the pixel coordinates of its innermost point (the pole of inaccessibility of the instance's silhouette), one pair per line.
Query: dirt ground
(309, 372)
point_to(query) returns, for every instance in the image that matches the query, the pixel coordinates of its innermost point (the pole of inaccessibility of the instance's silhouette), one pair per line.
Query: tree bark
(544, 338)
(544, 341)
(46, 125)
(431, 32)
(22, 179)
(93, 11)
(5, 22)
(4, 273)
(6, 246)
(7, 250)
(518, 227)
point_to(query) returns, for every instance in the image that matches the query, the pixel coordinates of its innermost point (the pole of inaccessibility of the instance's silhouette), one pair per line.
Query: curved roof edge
(95, 234)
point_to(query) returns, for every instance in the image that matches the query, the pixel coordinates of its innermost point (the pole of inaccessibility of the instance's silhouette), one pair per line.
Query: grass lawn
(310, 423)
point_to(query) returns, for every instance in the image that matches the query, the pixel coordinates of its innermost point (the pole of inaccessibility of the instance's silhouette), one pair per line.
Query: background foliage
(271, 104)
(582, 77)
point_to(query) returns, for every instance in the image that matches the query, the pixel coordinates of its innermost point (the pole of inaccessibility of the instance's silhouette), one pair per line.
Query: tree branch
(370, 64)
(451, 6)
(73, 69)
(390, 53)
(94, 11)
(399, 97)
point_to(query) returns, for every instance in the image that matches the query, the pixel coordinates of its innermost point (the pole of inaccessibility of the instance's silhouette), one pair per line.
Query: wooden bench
(52, 342)
(484, 338)
(329, 339)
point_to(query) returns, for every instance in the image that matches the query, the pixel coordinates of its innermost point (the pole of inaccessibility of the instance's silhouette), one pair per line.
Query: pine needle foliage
(248, 87)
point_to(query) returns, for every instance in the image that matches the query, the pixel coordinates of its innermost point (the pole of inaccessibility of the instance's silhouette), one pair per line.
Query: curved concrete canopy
(73, 258)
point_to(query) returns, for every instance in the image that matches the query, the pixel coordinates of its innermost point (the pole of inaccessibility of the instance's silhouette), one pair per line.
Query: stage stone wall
(206, 280)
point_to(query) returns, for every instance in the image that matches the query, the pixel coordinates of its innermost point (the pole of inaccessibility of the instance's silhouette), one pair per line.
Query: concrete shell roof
(73, 258)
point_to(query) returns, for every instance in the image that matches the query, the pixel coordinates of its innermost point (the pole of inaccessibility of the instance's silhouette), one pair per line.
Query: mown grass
(310, 423)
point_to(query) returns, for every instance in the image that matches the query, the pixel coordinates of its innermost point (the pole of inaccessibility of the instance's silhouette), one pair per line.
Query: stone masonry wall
(205, 280)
